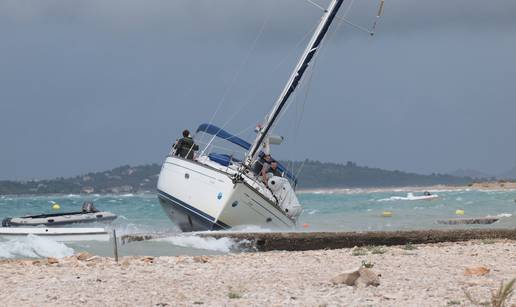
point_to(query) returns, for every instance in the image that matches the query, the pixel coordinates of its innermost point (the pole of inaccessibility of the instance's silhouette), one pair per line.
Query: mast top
(295, 77)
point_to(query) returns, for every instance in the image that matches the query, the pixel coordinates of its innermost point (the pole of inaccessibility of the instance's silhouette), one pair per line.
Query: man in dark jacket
(185, 147)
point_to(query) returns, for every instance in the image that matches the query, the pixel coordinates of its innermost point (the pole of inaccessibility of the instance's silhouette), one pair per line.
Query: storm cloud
(90, 85)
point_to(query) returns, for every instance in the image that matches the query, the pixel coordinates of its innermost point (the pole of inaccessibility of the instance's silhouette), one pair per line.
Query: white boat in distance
(217, 191)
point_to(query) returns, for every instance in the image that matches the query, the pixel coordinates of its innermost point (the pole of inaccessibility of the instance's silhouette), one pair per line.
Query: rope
(242, 106)
(317, 5)
(237, 74)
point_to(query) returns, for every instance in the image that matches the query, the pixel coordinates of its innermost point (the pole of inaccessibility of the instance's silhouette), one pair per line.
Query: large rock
(476, 271)
(52, 260)
(201, 259)
(368, 277)
(348, 278)
(83, 256)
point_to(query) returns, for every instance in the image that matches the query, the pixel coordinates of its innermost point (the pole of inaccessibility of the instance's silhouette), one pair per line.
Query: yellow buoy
(387, 214)
(56, 206)
(459, 212)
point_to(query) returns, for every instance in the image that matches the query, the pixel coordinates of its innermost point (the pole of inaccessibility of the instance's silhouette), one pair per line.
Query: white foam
(504, 215)
(250, 228)
(220, 245)
(33, 247)
(410, 196)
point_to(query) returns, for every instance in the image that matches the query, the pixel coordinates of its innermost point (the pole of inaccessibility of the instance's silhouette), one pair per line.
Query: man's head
(267, 157)
(186, 133)
(274, 164)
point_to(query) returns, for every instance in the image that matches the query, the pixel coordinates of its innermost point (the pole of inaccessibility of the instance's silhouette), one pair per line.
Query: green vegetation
(409, 247)
(499, 298)
(367, 264)
(234, 295)
(376, 250)
(313, 175)
(364, 250)
(359, 251)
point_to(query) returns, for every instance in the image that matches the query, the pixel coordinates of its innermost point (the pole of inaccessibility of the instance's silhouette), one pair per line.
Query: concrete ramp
(299, 241)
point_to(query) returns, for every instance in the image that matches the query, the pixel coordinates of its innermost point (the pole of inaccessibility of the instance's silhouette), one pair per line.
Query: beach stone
(368, 277)
(125, 263)
(201, 259)
(476, 271)
(348, 278)
(83, 256)
(148, 259)
(52, 260)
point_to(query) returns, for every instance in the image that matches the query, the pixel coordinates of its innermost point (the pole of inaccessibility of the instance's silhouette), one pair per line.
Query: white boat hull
(58, 234)
(197, 197)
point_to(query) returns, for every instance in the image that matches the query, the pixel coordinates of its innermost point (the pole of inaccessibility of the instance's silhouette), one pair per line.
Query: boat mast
(295, 77)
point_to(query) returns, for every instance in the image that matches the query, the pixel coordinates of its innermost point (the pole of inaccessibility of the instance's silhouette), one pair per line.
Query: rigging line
(321, 52)
(312, 72)
(317, 5)
(242, 106)
(355, 25)
(237, 74)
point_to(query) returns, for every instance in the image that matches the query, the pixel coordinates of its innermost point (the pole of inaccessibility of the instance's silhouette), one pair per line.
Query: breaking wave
(33, 247)
(410, 196)
(224, 245)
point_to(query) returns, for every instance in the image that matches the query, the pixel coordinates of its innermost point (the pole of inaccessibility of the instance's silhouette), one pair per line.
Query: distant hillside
(124, 179)
(471, 173)
(317, 174)
(314, 174)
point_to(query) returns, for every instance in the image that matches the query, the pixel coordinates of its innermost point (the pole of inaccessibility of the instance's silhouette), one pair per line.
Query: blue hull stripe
(200, 213)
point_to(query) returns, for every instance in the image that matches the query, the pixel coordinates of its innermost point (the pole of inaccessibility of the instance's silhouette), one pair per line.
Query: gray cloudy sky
(93, 84)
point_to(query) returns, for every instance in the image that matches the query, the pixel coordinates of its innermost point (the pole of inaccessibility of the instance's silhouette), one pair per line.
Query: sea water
(345, 210)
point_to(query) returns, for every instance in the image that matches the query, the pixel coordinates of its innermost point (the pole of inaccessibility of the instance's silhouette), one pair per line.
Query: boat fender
(6, 222)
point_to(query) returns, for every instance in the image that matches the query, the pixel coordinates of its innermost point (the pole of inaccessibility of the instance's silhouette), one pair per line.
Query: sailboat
(217, 191)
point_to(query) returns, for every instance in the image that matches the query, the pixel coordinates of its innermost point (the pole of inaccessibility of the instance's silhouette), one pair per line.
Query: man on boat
(88, 207)
(185, 147)
(270, 170)
(260, 162)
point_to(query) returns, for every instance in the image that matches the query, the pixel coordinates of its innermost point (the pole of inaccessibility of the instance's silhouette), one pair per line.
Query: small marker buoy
(459, 211)
(305, 225)
(56, 206)
(387, 213)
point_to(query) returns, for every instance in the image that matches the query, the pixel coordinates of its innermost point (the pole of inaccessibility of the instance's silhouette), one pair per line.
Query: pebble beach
(410, 275)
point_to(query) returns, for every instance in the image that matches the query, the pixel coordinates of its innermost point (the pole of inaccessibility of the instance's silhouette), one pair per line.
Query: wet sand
(411, 275)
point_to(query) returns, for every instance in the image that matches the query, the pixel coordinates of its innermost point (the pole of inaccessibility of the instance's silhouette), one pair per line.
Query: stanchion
(115, 246)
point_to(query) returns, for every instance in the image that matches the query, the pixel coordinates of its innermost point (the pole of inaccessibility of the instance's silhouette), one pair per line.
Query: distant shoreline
(480, 186)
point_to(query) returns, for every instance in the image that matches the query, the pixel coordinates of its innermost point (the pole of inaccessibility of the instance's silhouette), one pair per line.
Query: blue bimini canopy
(225, 159)
(223, 134)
